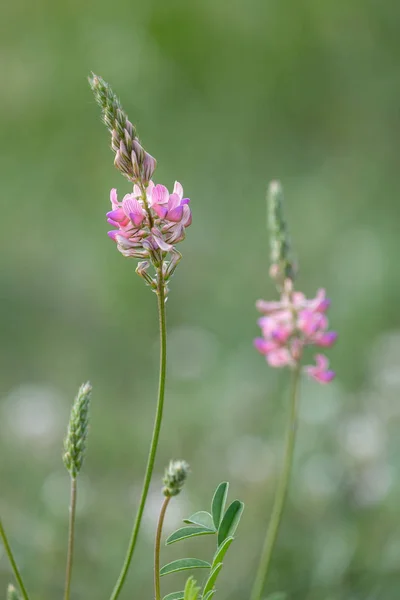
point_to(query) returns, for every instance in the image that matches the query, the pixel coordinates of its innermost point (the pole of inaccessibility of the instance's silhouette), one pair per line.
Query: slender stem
(157, 548)
(155, 436)
(71, 537)
(13, 564)
(281, 493)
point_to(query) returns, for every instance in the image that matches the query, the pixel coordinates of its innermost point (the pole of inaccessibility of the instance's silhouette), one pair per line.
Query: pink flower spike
(113, 234)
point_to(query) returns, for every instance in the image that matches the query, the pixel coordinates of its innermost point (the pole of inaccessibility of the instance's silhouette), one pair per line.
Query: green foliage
(230, 521)
(203, 518)
(277, 596)
(205, 524)
(183, 564)
(187, 532)
(208, 586)
(221, 551)
(218, 502)
(174, 596)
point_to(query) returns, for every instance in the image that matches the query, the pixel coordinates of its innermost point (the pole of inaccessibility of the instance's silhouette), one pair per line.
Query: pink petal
(114, 197)
(173, 201)
(116, 215)
(264, 346)
(268, 307)
(113, 234)
(160, 241)
(178, 189)
(175, 215)
(322, 361)
(159, 194)
(187, 216)
(279, 358)
(160, 210)
(325, 340)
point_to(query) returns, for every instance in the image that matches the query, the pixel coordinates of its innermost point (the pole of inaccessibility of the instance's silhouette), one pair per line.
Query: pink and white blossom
(292, 323)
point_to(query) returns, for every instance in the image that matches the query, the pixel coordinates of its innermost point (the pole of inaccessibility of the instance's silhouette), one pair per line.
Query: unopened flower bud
(12, 593)
(175, 477)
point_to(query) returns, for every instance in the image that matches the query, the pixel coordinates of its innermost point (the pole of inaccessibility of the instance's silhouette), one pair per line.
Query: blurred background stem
(71, 538)
(157, 548)
(155, 436)
(281, 492)
(13, 564)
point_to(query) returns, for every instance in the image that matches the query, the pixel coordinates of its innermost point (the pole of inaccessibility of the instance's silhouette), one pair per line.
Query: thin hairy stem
(155, 436)
(13, 564)
(71, 537)
(157, 548)
(281, 493)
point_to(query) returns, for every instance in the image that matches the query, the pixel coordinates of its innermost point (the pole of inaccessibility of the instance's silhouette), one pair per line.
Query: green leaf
(191, 589)
(209, 595)
(221, 551)
(218, 502)
(182, 564)
(174, 596)
(230, 521)
(212, 578)
(187, 532)
(202, 518)
(277, 596)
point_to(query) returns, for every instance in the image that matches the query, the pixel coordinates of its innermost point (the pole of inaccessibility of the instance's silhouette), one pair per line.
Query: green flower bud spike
(75, 441)
(282, 266)
(74, 453)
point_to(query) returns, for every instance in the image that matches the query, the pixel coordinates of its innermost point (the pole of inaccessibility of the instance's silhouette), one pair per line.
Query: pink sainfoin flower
(290, 324)
(149, 221)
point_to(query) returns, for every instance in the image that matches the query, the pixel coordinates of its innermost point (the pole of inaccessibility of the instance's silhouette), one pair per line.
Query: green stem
(155, 436)
(157, 548)
(71, 537)
(281, 493)
(13, 564)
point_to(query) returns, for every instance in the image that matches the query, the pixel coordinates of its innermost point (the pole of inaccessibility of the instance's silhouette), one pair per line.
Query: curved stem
(281, 493)
(155, 436)
(13, 564)
(157, 548)
(71, 538)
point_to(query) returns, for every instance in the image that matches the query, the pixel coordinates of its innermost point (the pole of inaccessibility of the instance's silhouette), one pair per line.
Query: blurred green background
(226, 95)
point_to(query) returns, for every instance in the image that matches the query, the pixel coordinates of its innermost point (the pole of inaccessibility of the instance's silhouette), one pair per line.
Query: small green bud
(175, 476)
(191, 589)
(12, 593)
(75, 441)
(282, 267)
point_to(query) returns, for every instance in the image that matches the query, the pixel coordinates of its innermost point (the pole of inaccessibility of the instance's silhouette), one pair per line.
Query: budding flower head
(282, 267)
(75, 441)
(12, 593)
(130, 157)
(174, 477)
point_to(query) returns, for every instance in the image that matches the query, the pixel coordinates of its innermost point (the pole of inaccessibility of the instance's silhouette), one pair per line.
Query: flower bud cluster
(175, 476)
